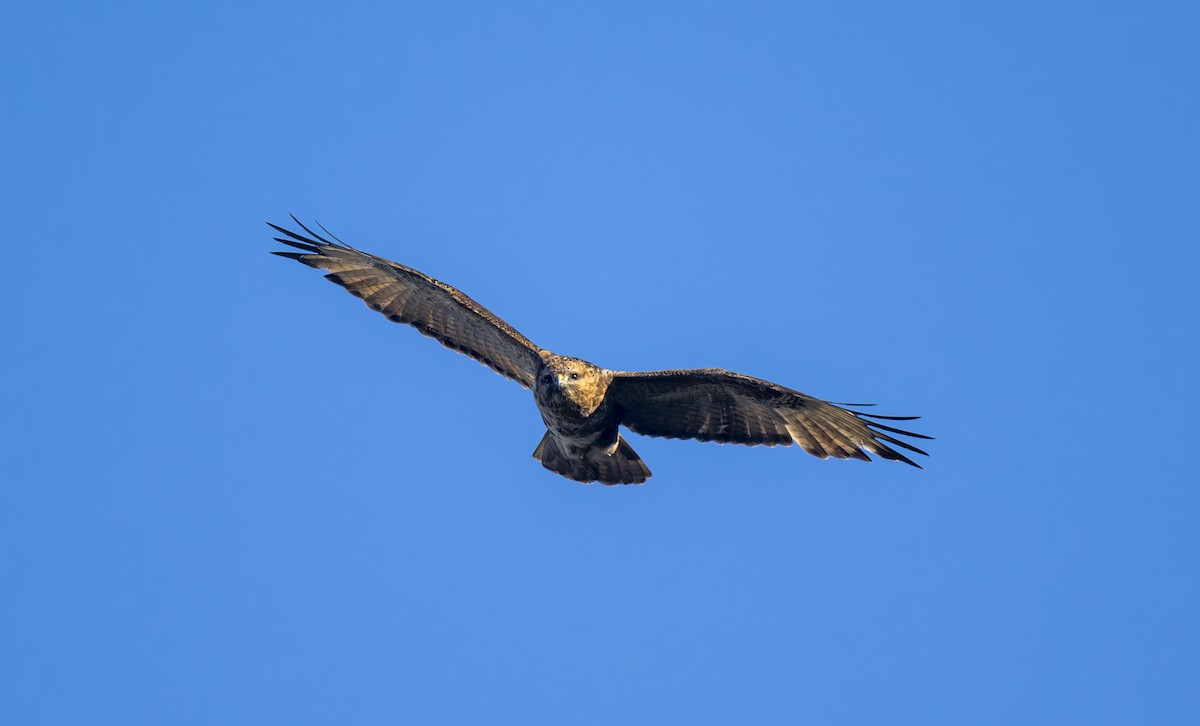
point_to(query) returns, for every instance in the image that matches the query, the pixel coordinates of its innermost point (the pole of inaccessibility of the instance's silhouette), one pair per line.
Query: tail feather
(623, 466)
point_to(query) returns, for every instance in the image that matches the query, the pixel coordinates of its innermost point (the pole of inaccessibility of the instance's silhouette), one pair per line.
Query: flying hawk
(584, 405)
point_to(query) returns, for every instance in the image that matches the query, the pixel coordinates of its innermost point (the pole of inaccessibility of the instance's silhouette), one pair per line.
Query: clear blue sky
(232, 494)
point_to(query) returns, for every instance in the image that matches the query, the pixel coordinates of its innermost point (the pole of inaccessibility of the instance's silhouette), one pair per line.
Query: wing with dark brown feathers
(405, 295)
(715, 405)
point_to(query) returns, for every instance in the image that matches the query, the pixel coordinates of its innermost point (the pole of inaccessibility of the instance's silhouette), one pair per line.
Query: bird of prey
(584, 405)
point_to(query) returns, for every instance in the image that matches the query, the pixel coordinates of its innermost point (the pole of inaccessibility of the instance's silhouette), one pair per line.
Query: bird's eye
(574, 376)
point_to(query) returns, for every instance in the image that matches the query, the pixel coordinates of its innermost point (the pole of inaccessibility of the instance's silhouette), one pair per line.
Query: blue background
(232, 494)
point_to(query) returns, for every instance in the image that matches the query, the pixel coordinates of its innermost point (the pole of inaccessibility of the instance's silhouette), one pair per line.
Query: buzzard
(584, 405)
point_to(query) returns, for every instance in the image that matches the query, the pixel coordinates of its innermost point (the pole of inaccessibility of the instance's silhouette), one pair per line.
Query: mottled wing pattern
(405, 295)
(716, 405)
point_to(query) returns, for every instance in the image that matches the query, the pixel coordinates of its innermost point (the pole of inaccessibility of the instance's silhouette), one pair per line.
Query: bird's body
(582, 440)
(584, 405)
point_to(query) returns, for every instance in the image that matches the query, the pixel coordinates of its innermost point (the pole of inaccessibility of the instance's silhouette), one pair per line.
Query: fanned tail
(623, 466)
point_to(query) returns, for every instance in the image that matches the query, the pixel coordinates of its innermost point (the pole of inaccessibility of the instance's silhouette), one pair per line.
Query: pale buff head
(580, 382)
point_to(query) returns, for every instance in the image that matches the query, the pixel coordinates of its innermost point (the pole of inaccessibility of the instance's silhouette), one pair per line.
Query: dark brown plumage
(583, 405)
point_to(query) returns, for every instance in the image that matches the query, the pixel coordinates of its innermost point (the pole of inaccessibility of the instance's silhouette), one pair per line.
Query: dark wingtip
(301, 257)
(902, 432)
(314, 234)
(893, 440)
(886, 452)
(334, 236)
(886, 418)
(313, 243)
(310, 248)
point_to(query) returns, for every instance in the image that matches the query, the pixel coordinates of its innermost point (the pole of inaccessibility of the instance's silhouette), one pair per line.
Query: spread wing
(715, 405)
(405, 295)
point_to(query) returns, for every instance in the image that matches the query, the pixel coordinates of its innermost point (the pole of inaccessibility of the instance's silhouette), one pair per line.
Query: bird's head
(579, 381)
(567, 372)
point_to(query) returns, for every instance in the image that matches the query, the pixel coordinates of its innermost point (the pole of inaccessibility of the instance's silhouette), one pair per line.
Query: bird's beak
(561, 379)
